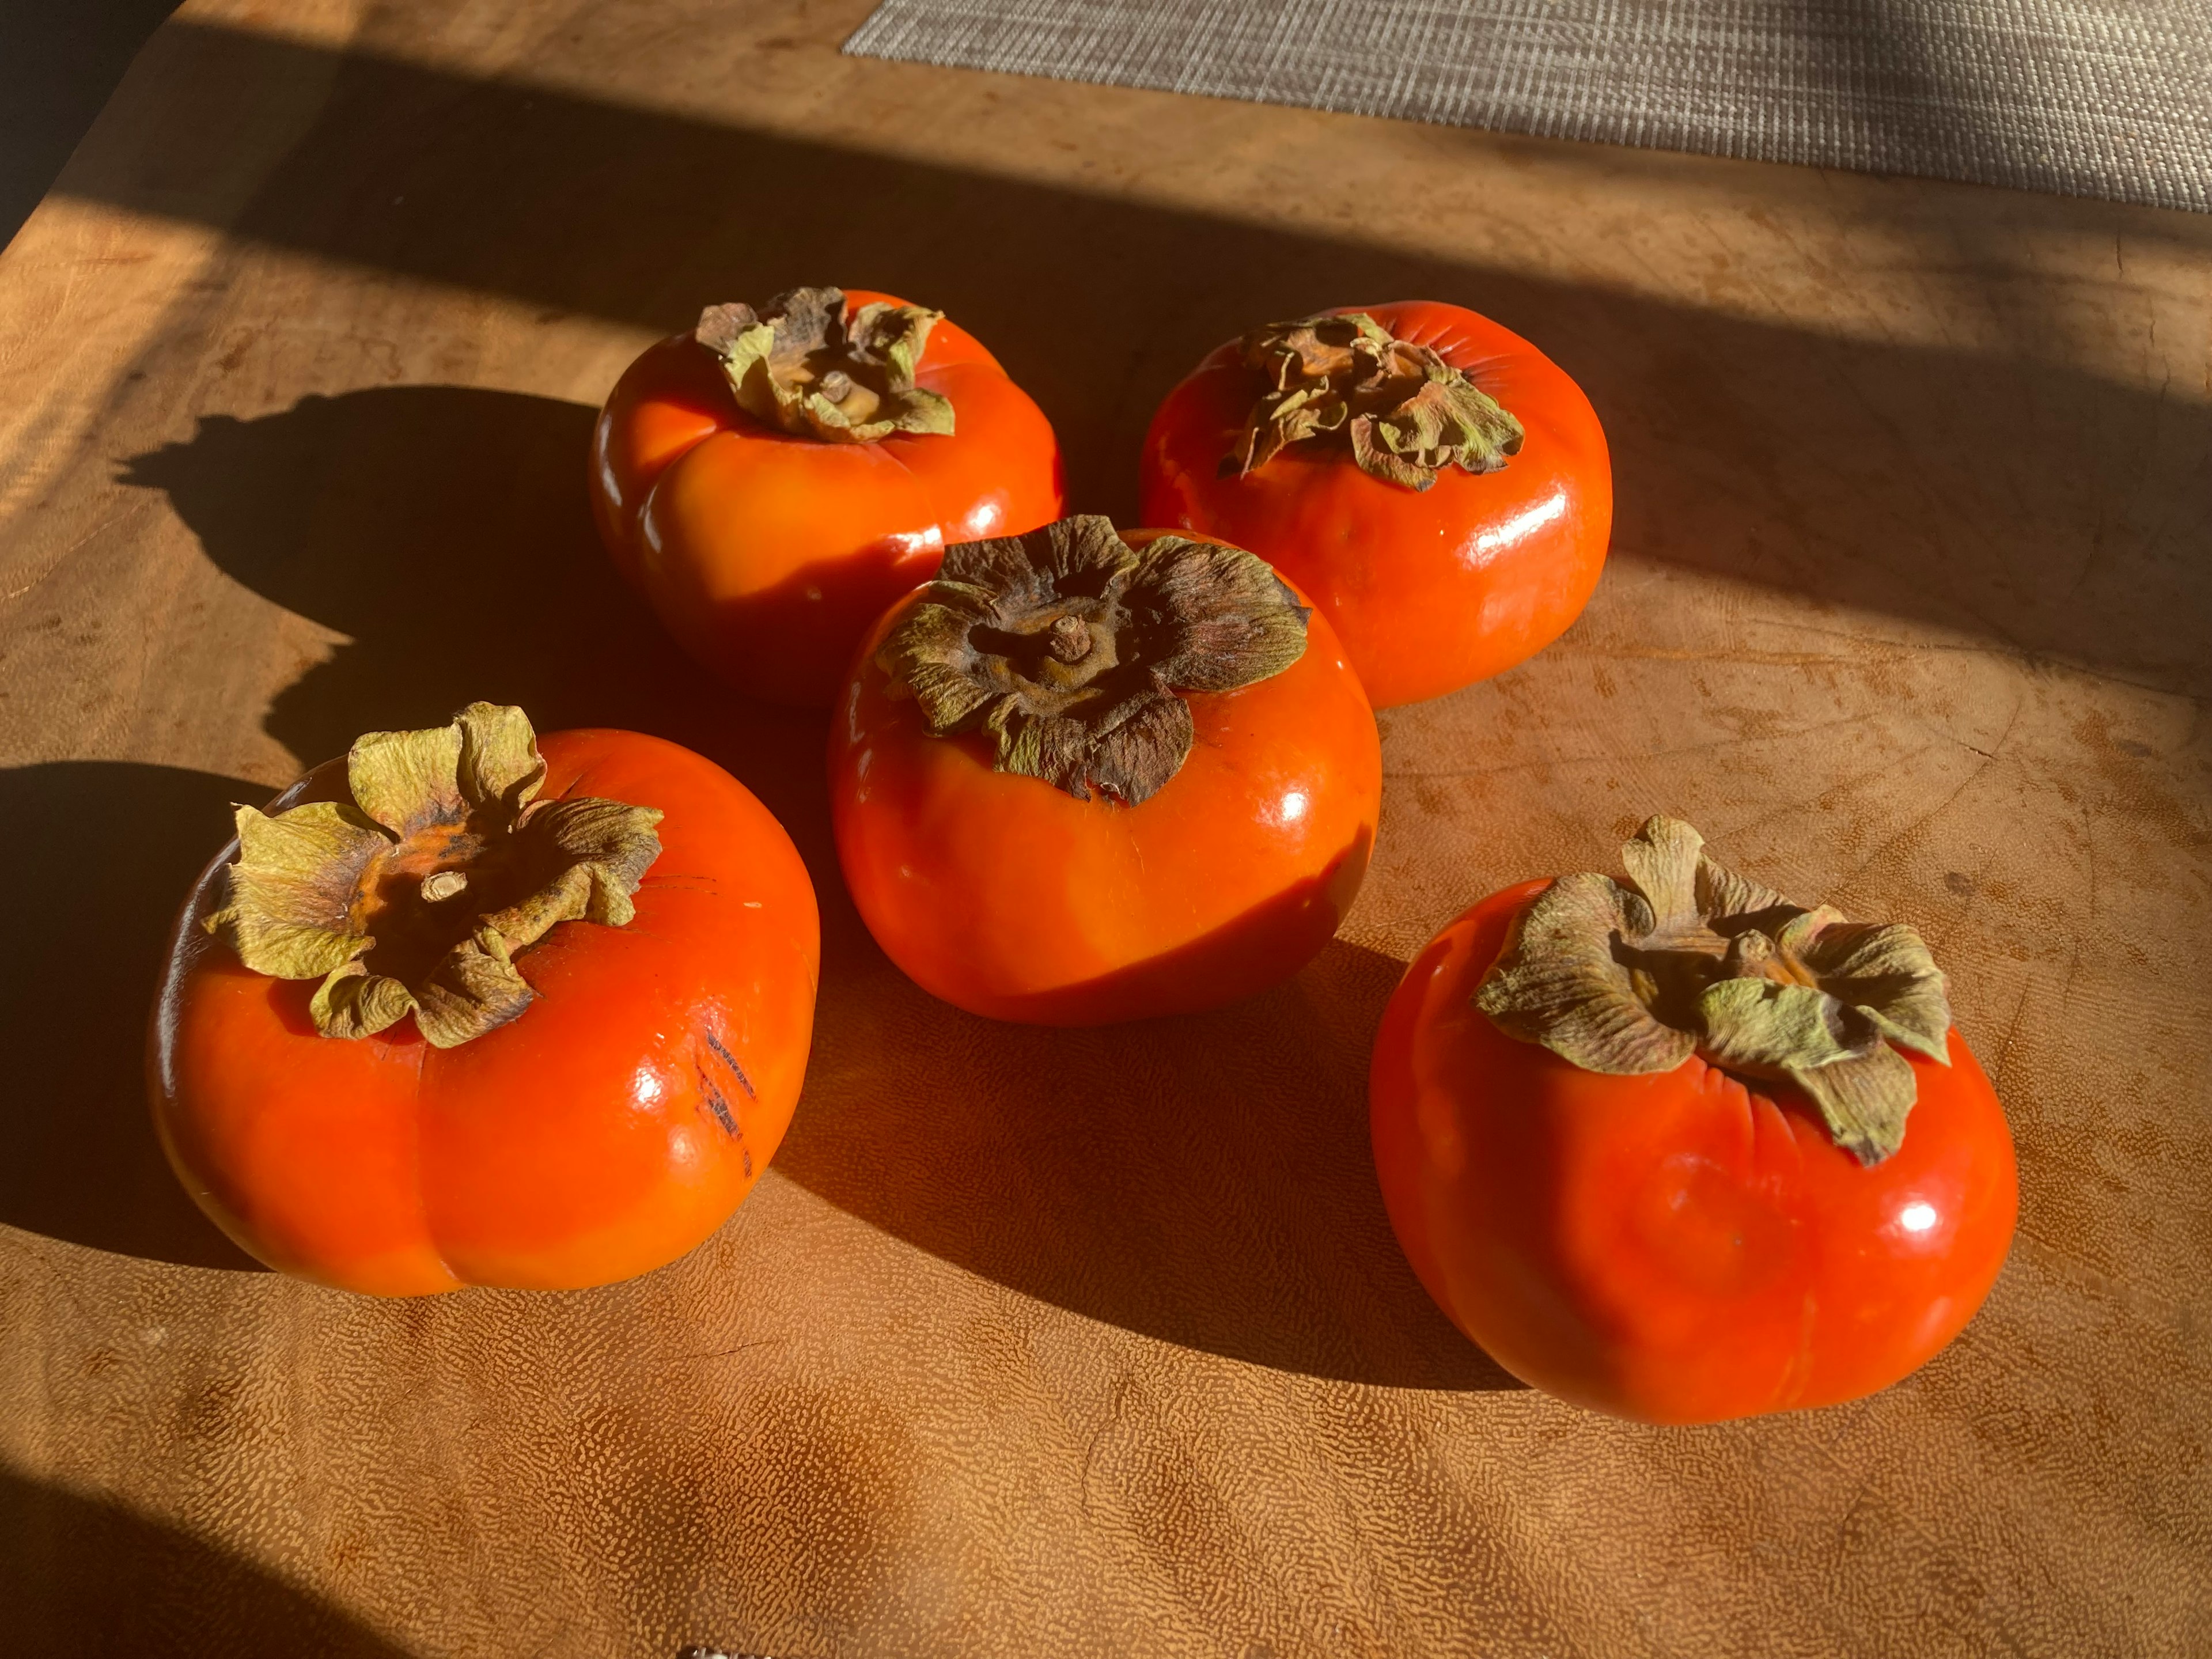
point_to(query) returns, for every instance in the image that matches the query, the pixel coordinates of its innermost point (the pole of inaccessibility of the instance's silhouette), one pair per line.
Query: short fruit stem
(446, 884)
(1071, 639)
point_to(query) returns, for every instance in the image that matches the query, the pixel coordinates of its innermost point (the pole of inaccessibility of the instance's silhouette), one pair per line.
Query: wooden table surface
(1908, 609)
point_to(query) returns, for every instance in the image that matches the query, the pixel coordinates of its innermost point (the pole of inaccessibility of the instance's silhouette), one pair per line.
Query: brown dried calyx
(1691, 958)
(796, 364)
(1074, 650)
(416, 896)
(1407, 413)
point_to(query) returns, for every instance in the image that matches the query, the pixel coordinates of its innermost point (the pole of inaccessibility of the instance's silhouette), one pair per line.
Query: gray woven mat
(2109, 97)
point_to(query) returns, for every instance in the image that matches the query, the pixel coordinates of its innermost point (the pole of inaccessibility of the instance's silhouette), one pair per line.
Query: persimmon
(1647, 1144)
(773, 479)
(1087, 776)
(467, 1008)
(1437, 486)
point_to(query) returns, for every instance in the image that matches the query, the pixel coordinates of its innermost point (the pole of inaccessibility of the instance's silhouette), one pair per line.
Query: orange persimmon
(1087, 776)
(1438, 486)
(464, 1008)
(1647, 1144)
(772, 480)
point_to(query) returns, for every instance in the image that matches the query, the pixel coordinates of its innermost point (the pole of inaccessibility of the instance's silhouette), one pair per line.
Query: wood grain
(1908, 610)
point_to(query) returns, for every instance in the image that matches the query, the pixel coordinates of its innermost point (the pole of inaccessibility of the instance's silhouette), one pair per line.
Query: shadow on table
(81, 1577)
(103, 852)
(58, 66)
(444, 531)
(1205, 1179)
(1990, 490)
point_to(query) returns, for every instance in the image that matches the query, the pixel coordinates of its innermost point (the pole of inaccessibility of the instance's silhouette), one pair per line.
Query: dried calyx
(1072, 650)
(798, 365)
(416, 896)
(1406, 412)
(1690, 959)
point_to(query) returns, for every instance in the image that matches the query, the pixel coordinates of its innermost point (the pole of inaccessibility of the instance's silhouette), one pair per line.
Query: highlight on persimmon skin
(1439, 488)
(1681, 1240)
(470, 1008)
(768, 523)
(1097, 776)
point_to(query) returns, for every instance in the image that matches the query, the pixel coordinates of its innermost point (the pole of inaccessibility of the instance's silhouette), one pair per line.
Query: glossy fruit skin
(1429, 590)
(768, 556)
(1676, 1248)
(1010, 898)
(579, 1144)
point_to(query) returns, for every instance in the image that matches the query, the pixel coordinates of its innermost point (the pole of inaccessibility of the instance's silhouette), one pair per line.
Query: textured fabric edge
(1094, 45)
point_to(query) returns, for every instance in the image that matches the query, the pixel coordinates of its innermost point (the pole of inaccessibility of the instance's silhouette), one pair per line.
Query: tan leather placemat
(2108, 98)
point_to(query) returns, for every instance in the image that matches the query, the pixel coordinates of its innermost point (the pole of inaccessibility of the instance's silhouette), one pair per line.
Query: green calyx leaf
(1074, 651)
(415, 896)
(1406, 413)
(1689, 957)
(294, 892)
(798, 364)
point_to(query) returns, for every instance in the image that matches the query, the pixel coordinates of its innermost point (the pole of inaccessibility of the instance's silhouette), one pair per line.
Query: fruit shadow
(444, 532)
(104, 852)
(80, 1576)
(1989, 487)
(1204, 1179)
